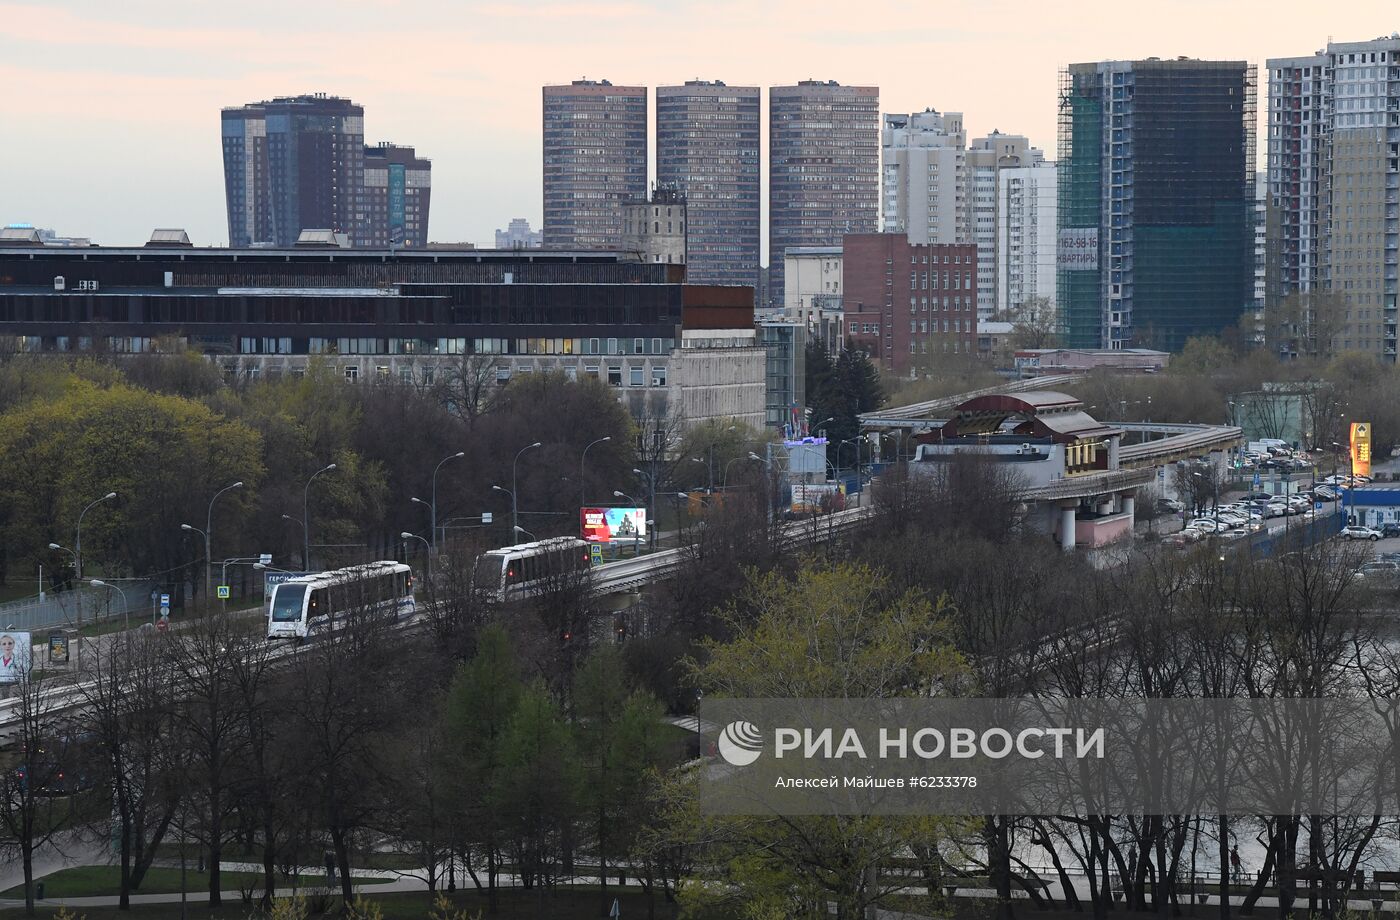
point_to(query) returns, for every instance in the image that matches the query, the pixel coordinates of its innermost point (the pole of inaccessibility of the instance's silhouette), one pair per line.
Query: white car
(1356, 532)
(1206, 525)
(1275, 509)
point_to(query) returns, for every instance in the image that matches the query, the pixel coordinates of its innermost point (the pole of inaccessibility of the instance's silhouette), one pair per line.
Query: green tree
(538, 792)
(617, 743)
(841, 632)
(483, 697)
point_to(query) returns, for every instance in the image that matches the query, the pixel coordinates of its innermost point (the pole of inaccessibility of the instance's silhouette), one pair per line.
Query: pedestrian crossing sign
(223, 592)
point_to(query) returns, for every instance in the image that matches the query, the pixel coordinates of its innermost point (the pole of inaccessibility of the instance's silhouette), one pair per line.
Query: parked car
(1206, 525)
(1258, 497)
(1169, 505)
(1390, 529)
(1357, 532)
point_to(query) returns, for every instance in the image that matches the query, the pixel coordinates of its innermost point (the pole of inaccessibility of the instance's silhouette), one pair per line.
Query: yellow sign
(1361, 448)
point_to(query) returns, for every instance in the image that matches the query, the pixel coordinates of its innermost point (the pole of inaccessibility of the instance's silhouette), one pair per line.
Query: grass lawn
(95, 881)
(580, 903)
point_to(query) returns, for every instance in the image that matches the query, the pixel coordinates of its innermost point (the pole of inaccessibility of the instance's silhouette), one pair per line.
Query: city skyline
(91, 94)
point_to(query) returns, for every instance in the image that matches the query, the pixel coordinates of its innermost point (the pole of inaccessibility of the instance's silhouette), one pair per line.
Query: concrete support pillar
(1130, 505)
(1067, 528)
(1106, 505)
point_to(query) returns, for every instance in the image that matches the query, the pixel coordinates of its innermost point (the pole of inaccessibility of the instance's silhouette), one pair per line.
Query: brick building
(906, 303)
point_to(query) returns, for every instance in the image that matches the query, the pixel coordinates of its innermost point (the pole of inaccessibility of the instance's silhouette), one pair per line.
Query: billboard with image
(15, 648)
(611, 525)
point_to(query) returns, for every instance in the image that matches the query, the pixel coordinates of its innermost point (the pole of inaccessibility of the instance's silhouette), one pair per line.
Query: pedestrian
(330, 869)
(1235, 863)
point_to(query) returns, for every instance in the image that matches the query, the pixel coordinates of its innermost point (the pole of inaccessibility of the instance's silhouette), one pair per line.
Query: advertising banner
(809, 498)
(14, 655)
(1361, 448)
(609, 525)
(270, 581)
(1078, 249)
(58, 648)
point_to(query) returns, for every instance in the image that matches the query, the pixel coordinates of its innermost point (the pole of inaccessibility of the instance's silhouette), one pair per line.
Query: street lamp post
(78, 540)
(527, 533)
(433, 507)
(427, 548)
(650, 480)
(208, 541)
(304, 540)
(514, 485)
(1351, 481)
(582, 492)
(126, 610)
(306, 516)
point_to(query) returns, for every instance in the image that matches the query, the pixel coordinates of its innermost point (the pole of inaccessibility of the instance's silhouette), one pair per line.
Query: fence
(70, 608)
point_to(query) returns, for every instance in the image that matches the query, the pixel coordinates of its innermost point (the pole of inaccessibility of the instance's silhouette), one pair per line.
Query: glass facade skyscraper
(1156, 201)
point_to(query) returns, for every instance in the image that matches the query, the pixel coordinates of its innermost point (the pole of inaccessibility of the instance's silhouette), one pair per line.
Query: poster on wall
(610, 525)
(15, 648)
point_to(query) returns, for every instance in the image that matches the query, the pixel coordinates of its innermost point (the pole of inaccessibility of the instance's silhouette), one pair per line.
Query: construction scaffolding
(1157, 193)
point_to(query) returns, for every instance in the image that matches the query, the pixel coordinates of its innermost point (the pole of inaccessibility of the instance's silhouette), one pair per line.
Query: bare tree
(467, 386)
(128, 694)
(36, 811)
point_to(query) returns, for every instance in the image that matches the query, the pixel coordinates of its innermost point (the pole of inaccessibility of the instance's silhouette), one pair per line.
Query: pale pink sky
(109, 111)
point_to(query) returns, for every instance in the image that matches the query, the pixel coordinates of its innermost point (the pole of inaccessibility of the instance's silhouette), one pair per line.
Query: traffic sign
(486, 517)
(616, 911)
(265, 559)
(163, 624)
(223, 592)
(596, 552)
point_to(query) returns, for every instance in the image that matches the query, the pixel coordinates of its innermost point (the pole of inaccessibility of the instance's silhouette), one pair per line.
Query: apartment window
(612, 346)
(656, 346)
(593, 347)
(591, 371)
(615, 376)
(570, 372)
(634, 376)
(503, 375)
(428, 374)
(352, 373)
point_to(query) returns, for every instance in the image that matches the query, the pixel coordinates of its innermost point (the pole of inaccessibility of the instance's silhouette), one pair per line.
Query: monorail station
(1066, 462)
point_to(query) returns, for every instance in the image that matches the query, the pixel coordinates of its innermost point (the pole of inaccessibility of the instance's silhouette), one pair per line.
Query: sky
(109, 112)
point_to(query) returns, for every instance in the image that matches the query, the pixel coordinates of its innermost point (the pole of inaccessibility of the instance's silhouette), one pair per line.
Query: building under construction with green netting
(1156, 201)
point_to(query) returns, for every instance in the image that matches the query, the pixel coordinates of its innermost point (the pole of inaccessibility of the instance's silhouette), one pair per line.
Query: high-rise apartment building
(707, 148)
(595, 158)
(1333, 185)
(290, 164)
(393, 210)
(986, 158)
(1027, 201)
(823, 167)
(1156, 188)
(923, 183)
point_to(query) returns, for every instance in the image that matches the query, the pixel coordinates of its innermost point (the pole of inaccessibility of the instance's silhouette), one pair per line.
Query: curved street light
(126, 610)
(306, 516)
(582, 493)
(78, 539)
(514, 485)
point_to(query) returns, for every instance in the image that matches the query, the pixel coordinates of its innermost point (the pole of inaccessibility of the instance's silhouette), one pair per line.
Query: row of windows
(313, 345)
